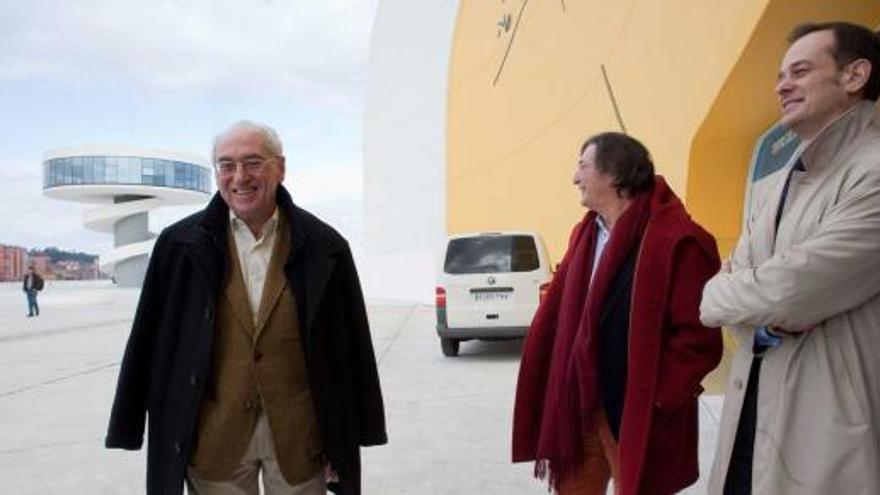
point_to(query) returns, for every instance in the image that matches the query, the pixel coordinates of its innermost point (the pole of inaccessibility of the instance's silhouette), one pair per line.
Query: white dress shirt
(602, 237)
(254, 255)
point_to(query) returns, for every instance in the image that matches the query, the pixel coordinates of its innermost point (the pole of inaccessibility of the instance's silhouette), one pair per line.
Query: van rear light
(542, 291)
(440, 297)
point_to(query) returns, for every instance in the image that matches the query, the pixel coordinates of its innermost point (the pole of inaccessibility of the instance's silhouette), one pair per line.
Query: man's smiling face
(810, 84)
(249, 186)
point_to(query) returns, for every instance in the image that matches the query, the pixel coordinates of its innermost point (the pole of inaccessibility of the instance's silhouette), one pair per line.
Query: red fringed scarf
(567, 321)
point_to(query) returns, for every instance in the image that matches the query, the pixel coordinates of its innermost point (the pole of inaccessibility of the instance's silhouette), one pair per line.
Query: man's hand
(330, 475)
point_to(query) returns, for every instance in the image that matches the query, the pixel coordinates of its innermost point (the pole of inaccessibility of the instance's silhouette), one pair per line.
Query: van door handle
(492, 316)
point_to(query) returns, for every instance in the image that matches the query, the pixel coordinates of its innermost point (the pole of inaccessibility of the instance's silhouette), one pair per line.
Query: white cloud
(332, 192)
(319, 184)
(299, 64)
(304, 48)
(33, 221)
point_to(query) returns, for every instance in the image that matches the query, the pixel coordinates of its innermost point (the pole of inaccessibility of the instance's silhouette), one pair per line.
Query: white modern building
(126, 183)
(404, 147)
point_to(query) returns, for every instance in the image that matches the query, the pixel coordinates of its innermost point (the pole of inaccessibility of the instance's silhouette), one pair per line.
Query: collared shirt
(764, 338)
(254, 255)
(602, 236)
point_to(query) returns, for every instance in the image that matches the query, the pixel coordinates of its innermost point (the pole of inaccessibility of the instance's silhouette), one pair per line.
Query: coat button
(208, 313)
(249, 405)
(738, 384)
(258, 355)
(177, 448)
(192, 379)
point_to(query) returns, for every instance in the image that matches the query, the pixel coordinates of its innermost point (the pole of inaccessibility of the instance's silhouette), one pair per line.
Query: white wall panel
(404, 147)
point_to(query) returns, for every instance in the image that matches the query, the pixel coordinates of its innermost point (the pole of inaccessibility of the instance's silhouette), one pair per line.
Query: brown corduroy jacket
(258, 366)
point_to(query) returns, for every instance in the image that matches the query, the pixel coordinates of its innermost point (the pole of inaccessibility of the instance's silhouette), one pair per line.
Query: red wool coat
(670, 352)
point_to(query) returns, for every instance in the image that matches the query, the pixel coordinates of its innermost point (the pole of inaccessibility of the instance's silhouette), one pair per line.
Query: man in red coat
(614, 358)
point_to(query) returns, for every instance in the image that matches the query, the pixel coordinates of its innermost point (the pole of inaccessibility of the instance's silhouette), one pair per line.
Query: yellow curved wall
(744, 108)
(693, 81)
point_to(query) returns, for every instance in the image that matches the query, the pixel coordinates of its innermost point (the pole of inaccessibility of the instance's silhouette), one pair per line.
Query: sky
(171, 74)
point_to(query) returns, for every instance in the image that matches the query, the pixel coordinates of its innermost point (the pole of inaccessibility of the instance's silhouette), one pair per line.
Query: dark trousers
(739, 471)
(33, 307)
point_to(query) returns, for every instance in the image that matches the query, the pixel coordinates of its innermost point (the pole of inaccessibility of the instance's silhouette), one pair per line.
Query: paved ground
(448, 419)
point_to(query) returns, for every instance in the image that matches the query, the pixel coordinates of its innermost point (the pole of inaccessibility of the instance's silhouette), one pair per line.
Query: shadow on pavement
(480, 350)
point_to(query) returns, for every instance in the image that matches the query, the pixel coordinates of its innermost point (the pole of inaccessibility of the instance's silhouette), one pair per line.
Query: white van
(489, 286)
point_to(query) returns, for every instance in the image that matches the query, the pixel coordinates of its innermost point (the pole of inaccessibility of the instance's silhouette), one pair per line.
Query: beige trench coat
(819, 393)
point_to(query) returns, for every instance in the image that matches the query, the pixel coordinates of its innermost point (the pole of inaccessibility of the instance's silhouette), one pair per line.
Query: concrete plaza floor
(448, 418)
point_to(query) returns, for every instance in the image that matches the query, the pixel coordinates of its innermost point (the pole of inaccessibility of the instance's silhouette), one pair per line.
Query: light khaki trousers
(259, 457)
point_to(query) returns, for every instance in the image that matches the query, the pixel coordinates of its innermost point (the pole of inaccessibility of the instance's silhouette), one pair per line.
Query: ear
(855, 75)
(281, 163)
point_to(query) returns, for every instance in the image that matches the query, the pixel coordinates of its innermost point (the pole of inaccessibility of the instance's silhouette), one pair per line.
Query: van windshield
(491, 254)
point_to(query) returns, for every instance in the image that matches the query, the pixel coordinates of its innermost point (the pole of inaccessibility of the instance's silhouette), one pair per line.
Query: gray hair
(270, 137)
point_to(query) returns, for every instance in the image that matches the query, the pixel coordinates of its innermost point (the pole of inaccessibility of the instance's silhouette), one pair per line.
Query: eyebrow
(246, 157)
(798, 64)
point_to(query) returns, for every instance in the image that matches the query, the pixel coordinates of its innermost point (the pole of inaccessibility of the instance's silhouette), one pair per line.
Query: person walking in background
(32, 284)
(250, 353)
(613, 361)
(802, 290)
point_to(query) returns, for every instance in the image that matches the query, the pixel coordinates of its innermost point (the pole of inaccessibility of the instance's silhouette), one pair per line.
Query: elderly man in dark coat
(250, 355)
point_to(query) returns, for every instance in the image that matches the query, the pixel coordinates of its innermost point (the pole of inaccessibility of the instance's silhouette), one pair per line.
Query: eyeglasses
(250, 164)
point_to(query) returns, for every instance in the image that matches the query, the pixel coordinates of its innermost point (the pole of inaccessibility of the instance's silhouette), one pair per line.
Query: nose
(783, 86)
(239, 172)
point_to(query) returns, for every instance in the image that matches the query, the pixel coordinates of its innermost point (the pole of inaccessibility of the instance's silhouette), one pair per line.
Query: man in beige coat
(802, 290)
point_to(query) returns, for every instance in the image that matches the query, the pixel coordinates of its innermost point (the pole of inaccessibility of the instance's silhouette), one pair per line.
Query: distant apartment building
(75, 270)
(13, 262)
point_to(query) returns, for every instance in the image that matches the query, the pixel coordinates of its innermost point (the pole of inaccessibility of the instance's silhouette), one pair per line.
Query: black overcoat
(168, 355)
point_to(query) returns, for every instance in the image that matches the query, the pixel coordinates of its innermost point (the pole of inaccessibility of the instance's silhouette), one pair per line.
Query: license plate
(491, 296)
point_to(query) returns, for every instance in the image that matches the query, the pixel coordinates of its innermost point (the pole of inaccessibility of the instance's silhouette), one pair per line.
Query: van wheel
(449, 346)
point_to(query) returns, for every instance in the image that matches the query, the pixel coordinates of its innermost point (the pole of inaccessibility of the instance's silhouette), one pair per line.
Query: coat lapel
(208, 258)
(766, 222)
(236, 292)
(621, 284)
(310, 270)
(310, 263)
(206, 244)
(275, 281)
(312, 275)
